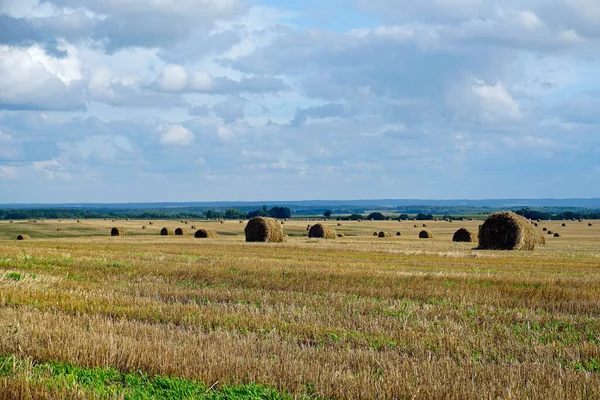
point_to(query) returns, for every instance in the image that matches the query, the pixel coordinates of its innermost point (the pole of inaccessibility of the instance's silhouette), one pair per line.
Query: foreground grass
(22, 378)
(359, 317)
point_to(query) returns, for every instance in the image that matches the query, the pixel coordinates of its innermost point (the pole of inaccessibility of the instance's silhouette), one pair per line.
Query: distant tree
(424, 217)
(403, 217)
(327, 214)
(376, 216)
(356, 217)
(232, 213)
(280, 212)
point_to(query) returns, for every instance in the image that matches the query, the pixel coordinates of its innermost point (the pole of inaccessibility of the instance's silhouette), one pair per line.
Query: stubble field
(85, 315)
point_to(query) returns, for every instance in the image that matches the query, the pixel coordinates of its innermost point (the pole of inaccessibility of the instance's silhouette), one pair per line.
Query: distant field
(85, 315)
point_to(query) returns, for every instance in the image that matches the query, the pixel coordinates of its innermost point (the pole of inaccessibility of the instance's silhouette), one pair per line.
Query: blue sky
(208, 100)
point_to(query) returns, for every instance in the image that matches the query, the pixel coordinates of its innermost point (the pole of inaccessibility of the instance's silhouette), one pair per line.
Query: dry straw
(320, 231)
(263, 229)
(425, 234)
(205, 234)
(23, 237)
(166, 232)
(118, 231)
(464, 235)
(508, 231)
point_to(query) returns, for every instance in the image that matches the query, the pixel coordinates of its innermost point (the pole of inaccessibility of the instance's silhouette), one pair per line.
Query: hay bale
(77, 221)
(424, 225)
(118, 231)
(540, 238)
(545, 229)
(339, 224)
(535, 224)
(264, 229)
(416, 226)
(507, 231)
(11, 222)
(205, 234)
(179, 232)
(166, 232)
(143, 226)
(383, 234)
(398, 234)
(425, 234)
(464, 235)
(557, 235)
(341, 235)
(58, 229)
(564, 225)
(320, 231)
(375, 233)
(193, 227)
(23, 237)
(222, 221)
(150, 223)
(549, 232)
(590, 224)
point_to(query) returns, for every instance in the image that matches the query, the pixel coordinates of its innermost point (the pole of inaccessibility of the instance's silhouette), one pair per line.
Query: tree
(376, 216)
(327, 214)
(280, 212)
(424, 217)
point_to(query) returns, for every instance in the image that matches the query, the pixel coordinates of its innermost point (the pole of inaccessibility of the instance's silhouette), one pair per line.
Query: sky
(247, 100)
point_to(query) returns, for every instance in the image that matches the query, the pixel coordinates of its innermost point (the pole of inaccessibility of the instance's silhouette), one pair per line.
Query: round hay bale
(590, 224)
(507, 231)
(205, 234)
(549, 232)
(535, 224)
(320, 231)
(78, 221)
(143, 226)
(425, 234)
(564, 225)
(179, 232)
(416, 226)
(166, 232)
(23, 237)
(241, 222)
(264, 229)
(193, 227)
(540, 238)
(222, 221)
(464, 235)
(118, 231)
(282, 222)
(545, 229)
(424, 225)
(557, 235)
(398, 233)
(11, 222)
(383, 234)
(341, 235)
(58, 229)
(339, 224)
(150, 223)
(375, 233)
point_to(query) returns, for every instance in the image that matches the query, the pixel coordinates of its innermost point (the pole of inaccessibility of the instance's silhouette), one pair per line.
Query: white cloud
(8, 172)
(176, 135)
(31, 78)
(175, 78)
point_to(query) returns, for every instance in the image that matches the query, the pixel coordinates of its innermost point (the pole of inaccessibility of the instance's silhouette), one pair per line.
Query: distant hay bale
(320, 231)
(205, 234)
(416, 226)
(179, 232)
(150, 223)
(241, 222)
(23, 237)
(375, 234)
(143, 226)
(341, 235)
(77, 221)
(58, 229)
(263, 229)
(222, 221)
(535, 224)
(540, 238)
(590, 224)
(166, 232)
(339, 224)
(557, 235)
(398, 233)
(507, 231)
(425, 234)
(383, 234)
(282, 222)
(464, 235)
(564, 225)
(424, 225)
(549, 232)
(193, 227)
(118, 231)
(545, 229)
